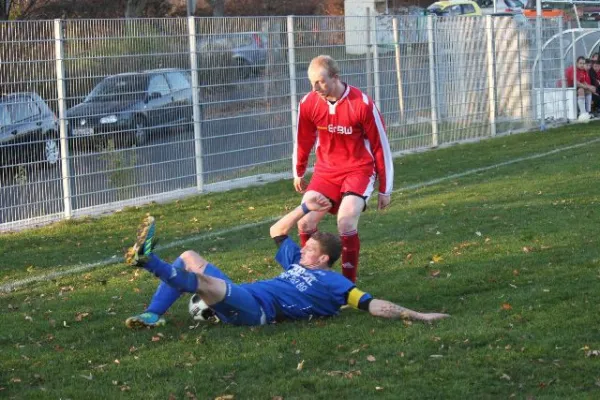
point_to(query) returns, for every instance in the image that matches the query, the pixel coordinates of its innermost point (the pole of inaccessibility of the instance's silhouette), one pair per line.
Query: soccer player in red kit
(352, 152)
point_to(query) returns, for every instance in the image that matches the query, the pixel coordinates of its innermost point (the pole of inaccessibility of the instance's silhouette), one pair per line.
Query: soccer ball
(200, 311)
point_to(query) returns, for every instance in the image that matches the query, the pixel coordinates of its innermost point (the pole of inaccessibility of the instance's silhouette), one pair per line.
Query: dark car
(130, 107)
(246, 52)
(28, 131)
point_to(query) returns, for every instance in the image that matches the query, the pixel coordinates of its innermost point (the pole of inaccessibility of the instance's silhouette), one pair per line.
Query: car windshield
(119, 88)
(4, 115)
(436, 10)
(513, 3)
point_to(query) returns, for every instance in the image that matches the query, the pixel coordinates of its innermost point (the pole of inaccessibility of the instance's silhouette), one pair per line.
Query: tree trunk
(5, 8)
(135, 8)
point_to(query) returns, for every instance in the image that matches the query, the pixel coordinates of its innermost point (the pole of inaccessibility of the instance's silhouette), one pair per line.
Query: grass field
(512, 253)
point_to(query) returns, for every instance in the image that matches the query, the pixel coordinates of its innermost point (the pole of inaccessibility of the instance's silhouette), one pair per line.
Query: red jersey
(351, 137)
(582, 76)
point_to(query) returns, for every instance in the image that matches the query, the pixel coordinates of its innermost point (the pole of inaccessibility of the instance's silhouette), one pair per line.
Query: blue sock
(178, 278)
(165, 294)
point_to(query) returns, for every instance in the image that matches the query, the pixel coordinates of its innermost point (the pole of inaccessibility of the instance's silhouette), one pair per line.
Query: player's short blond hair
(326, 62)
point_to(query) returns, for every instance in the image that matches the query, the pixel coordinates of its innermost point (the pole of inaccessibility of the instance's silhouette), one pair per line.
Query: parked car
(550, 9)
(28, 130)
(245, 51)
(130, 107)
(514, 6)
(454, 8)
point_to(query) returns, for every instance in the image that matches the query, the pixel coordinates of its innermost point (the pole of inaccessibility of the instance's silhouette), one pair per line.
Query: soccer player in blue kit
(308, 287)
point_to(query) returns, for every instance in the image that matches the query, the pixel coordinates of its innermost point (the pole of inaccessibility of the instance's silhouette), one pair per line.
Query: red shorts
(336, 187)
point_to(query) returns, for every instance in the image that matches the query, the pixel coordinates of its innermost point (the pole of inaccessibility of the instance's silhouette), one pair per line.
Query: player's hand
(317, 202)
(300, 185)
(383, 201)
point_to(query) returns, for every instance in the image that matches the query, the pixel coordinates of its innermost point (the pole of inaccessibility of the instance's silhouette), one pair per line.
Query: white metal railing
(154, 135)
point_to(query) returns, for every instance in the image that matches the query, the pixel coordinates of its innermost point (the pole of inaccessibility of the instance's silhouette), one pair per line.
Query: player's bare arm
(315, 202)
(387, 309)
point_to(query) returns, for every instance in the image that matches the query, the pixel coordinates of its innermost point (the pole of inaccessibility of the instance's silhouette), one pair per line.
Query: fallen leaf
(378, 388)
(300, 366)
(155, 338)
(117, 362)
(506, 306)
(277, 398)
(15, 380)
(81, 316)
(250, 208)
(515, 272)
(478, 233)
(435, 273)
(527, 249)
(225, 397)
(191, 395)
(504, 376)
(437, 258)
(89, 378)
(370, 358)
(65, 324)
(351, 361)
(436, 356)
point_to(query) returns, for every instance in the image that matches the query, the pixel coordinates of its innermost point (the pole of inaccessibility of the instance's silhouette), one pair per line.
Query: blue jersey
(298, 292)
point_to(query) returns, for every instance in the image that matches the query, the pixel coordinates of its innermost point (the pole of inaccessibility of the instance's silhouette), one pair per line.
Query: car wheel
(244, 68)
(51, 151)
(141, 132)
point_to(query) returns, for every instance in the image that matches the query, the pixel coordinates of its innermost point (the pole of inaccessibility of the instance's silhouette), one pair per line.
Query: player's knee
(192, 258)
(347, 224)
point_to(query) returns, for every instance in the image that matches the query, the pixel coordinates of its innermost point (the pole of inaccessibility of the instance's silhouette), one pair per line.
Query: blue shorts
(238, 307)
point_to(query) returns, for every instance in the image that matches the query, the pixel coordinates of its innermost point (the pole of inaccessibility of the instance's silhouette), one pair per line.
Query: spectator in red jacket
(584, 86)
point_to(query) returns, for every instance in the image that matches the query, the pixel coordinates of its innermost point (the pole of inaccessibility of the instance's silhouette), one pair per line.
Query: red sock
(350, 250)
(304, 236)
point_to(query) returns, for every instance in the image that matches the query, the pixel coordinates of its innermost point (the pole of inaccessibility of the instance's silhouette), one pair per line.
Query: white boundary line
(8, 287)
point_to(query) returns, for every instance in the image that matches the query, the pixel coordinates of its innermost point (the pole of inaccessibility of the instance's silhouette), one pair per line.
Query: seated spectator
(594, 73)
(583, 84)
(595, 57)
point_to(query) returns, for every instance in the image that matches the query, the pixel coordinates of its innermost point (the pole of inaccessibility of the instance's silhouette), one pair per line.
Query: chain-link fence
(101, 114)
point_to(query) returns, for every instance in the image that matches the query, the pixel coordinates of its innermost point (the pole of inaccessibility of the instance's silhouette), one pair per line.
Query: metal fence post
(562, 69)
(292, 69)
(62, 117)
(398, 68)
(369, 64)
(491, 73)
(196, 111)
(574, 60)
(432, 81)
(520, 73)
(538, 40)
(376, 66)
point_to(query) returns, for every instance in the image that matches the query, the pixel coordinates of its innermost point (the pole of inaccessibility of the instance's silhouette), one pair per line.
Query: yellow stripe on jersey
(354, 297)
